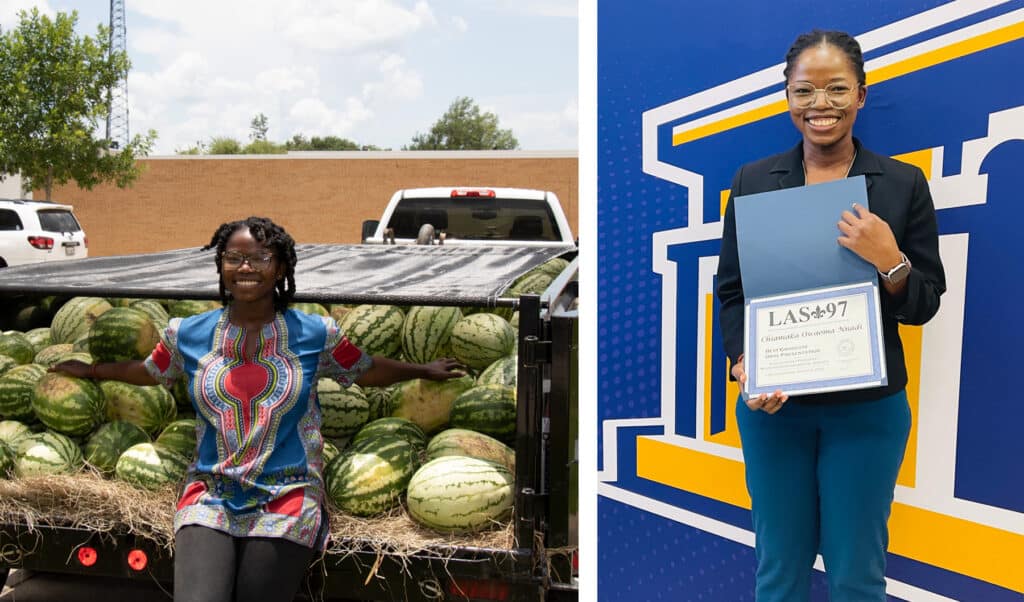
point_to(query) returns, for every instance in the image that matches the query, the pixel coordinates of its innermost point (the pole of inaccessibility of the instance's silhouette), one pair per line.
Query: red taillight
(87, 556)
(85, 241)
(138, 560)
(41, 242)
(478, 589)
(472, 192)
(575, 562)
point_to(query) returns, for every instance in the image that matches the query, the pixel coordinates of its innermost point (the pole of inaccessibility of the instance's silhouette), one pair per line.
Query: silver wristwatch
(899, 273)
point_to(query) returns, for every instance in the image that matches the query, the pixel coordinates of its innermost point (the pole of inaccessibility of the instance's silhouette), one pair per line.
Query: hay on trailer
(88, 501)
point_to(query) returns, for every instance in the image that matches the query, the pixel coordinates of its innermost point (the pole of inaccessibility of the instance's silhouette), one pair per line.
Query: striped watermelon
(16, 346)
(553, 267)
(39, 337)
(343, 410)
(339, 311)
(16, 386)
(376, 329)
(426, 331)
(74, 319)
(380, 400)
(456, 494)
(488, 409)
(463, 442)
(428, 403)
(122, 333)
(534, 282)
(71, 406)
(7, 459)
(152, 308)
(370, 479)
(183, 308)
(501, 372)
(180, 436)
(480, 339)
(12, 431)
(151, 408)
(330, 452)
(313, 309)
(6, 363)
(150, 466)
(106, 445)
(47, 453)
(122, 301)
(401, 427)
(53, 354)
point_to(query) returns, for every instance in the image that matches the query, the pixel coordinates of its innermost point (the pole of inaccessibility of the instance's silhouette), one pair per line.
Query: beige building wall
(318, 197)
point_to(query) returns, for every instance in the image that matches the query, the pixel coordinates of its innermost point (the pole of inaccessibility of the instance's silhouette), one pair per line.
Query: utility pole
(117, 95)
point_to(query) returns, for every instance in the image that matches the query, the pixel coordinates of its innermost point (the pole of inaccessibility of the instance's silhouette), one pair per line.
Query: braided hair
(837, 39)
(273, 237)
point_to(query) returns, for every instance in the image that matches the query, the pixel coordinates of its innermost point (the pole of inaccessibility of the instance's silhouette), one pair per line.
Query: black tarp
(325, 273)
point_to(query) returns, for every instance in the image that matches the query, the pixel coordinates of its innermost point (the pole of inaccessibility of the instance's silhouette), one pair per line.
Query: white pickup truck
(471, 216)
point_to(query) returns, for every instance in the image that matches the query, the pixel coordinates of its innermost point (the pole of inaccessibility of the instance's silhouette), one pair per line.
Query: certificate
(814, 341)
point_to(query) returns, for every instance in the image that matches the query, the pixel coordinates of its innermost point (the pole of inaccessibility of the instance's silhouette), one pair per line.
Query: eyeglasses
(803, 94)
(234, 260)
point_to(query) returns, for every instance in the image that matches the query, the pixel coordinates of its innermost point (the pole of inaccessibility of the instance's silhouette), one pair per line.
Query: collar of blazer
(789, 166)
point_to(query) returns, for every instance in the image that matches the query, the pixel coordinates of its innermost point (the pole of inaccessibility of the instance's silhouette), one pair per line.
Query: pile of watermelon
(440, 449)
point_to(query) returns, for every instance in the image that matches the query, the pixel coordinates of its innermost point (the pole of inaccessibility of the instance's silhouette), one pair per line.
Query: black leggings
(212, 566)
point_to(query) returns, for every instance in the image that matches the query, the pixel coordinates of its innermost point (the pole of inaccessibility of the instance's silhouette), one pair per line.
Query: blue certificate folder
(786, 239)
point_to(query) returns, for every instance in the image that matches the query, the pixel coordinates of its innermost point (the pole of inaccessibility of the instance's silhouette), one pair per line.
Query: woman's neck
(830, 158)
(251, 314)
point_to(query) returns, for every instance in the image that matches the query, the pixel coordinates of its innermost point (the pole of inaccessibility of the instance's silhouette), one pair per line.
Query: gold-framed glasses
(803, 94)
(234, 260)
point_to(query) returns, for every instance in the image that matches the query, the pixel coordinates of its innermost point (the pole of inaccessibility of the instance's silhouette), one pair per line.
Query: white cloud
(314, 117)
(542, 8)
(461, 25)
(544, 129)
(396, 82)
(9, 10)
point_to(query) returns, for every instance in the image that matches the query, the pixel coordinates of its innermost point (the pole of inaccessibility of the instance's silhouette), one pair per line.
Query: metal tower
(117, 118)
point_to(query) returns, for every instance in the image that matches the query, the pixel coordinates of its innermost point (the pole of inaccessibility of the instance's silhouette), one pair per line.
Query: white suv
(34, 231)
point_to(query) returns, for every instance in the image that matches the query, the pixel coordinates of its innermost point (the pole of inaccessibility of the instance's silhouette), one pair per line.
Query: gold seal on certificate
(826, 339)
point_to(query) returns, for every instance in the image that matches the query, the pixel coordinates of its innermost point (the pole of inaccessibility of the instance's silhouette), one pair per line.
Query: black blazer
(898, 193)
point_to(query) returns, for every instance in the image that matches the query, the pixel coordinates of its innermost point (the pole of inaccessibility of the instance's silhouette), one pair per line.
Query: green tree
(53, 97)
(224, 145)
(317, 143)
(465, 127)
(259, 127)
(264, 147)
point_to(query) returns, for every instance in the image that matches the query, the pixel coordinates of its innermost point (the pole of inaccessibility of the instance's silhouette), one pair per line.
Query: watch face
(899, 273)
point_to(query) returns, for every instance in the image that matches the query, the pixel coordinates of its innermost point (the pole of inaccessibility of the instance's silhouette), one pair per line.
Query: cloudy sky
(374, 71)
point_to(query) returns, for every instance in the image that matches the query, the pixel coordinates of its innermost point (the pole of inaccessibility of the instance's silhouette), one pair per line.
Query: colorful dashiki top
(259, 466)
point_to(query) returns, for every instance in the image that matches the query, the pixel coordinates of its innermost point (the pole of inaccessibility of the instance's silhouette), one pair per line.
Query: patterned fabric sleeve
(340, 359)
(165, 363)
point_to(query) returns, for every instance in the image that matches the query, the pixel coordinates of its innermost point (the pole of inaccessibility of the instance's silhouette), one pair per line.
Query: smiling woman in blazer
(821, 469)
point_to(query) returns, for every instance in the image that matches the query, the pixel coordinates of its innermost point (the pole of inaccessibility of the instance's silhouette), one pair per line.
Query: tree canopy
(465, 127)
(55, 90)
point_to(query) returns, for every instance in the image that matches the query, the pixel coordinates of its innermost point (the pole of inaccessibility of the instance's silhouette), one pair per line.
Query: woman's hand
(764, 402)
(73, 368)
(443, 369)
(870, 237)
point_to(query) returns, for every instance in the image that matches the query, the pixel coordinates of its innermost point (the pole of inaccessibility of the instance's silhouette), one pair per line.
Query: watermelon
(12, 431)
(343, 410)
(463, 442)
(501, 372)
(428, 403)
(376, 329)
(39, 337)
(150, 466)
(488, 409)
(370, 479)
(7, 459)
(151, 408)
(479, 340)
(122, 333)
(313, 309)
(6, 363)
(153, 309)
(401, 427)
(426, 332)
(47, 453)
(552, 267)
(338, 311)
(74, 319)
(380, 400)
(53, 354)
(16, 386)
(122, 301)
(105, 446)
(457, 494)
(178, 308)
(16, 346)
(71, 406)
(534, 282)
(180, 436)
(330, 452)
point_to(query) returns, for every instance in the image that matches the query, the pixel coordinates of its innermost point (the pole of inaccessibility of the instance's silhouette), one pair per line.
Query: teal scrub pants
(821, 479)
